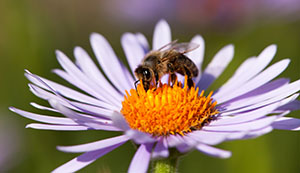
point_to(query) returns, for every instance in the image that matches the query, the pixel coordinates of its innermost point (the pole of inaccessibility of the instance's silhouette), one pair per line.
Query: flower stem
(167, 165)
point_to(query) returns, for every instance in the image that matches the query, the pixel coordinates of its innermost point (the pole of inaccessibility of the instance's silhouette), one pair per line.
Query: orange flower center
(167, 109)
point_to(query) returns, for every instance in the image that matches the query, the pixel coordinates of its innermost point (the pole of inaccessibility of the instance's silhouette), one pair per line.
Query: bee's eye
(146, 73)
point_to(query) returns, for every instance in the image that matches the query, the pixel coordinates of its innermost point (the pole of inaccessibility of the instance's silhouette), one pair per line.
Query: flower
(248, 105)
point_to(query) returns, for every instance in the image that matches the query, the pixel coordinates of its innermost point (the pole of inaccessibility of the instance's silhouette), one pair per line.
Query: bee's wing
(167, 46)
(184, 47)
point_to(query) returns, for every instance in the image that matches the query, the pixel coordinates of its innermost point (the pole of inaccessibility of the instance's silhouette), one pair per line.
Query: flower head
(251, 103)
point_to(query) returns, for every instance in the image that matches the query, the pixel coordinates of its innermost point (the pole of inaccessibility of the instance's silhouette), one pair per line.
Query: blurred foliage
(32, 30)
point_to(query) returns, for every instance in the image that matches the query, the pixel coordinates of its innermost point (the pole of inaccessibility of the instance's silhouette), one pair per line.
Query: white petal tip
(13, 109)
(95, 35)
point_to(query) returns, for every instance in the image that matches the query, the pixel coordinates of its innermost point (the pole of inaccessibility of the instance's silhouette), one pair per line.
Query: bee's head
(144, 73)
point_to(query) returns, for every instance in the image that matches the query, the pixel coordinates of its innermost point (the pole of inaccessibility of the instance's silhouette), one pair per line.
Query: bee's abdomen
(188, 64)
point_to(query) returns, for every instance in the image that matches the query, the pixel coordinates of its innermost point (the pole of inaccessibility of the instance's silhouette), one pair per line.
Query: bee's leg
(146, 85)
(173, 78)
(190, 82)
(135, 84)
(156, 78)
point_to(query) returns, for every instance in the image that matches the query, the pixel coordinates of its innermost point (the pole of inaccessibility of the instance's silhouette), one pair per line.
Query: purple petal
(86, 108)
(94, 145)
(293, 105)
(161, 149)
(140, 137)
(82, 120)
(259, 80)
(141, 159)
(91, 70)
(56, 127)
(67, 92)
(133, 50)
(44, 118)
(38, 106)
(259, 103)
(119, 121)
(250, 68)
(81, 80)
(197, 55)
(173, 140)
(287, 123)
(161, 35)
(251, 97)
(210, 138)
(244, 117)
(184, 148)
(84, 160)
(261, 90)
(246, 126)
(105, 55)
(215, 68)
(256, 133)
(212, 151)
(143, 41)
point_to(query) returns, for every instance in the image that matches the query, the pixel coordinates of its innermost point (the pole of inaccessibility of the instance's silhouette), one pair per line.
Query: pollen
(168, 110)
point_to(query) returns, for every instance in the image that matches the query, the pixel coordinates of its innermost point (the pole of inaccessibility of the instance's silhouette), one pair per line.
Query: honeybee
(169, 59)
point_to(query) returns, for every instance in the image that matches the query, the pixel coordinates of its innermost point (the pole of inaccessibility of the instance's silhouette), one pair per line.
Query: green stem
(167, 165)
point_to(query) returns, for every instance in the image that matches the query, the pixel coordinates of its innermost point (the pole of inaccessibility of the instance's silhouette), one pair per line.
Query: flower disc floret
(167, 109)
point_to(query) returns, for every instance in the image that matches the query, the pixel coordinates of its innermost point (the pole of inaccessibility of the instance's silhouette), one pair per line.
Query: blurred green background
(30, 32)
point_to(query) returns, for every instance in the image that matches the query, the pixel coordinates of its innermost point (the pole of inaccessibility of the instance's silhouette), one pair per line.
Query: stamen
(168, 109)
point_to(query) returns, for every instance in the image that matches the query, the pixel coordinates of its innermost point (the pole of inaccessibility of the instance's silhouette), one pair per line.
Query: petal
(91, 70)
(133, 50)
(257, 133)
(250, 68)
(287, 123)
(42, 107)
(246, 126)
(197, 55)
(79, 79)
(293, 105)
(57, 127)
(259, 80)
(272, 96)
(113, 68)
(174, 140)
(44, 118)
(184, 148)
(119, 121)
(212, 151)
(215, 68)
(162, 35)
(210, 138)
(143, 41)
(81, 120)
(141, 159)
(250, 97)
(81, 107)
(65, 91)
(244, 117)
(161, 149)
(94, 145)
(242, 135)
(84, 160)
(140, 137)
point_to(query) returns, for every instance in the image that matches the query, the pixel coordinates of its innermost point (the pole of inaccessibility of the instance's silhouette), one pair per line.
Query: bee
(169, 59)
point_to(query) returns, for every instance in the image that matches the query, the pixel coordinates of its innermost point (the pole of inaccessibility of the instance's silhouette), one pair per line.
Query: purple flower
(251, 103)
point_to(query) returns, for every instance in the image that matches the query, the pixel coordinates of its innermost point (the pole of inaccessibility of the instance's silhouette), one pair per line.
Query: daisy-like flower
(168, 119)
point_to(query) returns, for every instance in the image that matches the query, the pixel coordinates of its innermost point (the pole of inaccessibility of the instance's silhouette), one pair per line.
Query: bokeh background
(31, 30)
